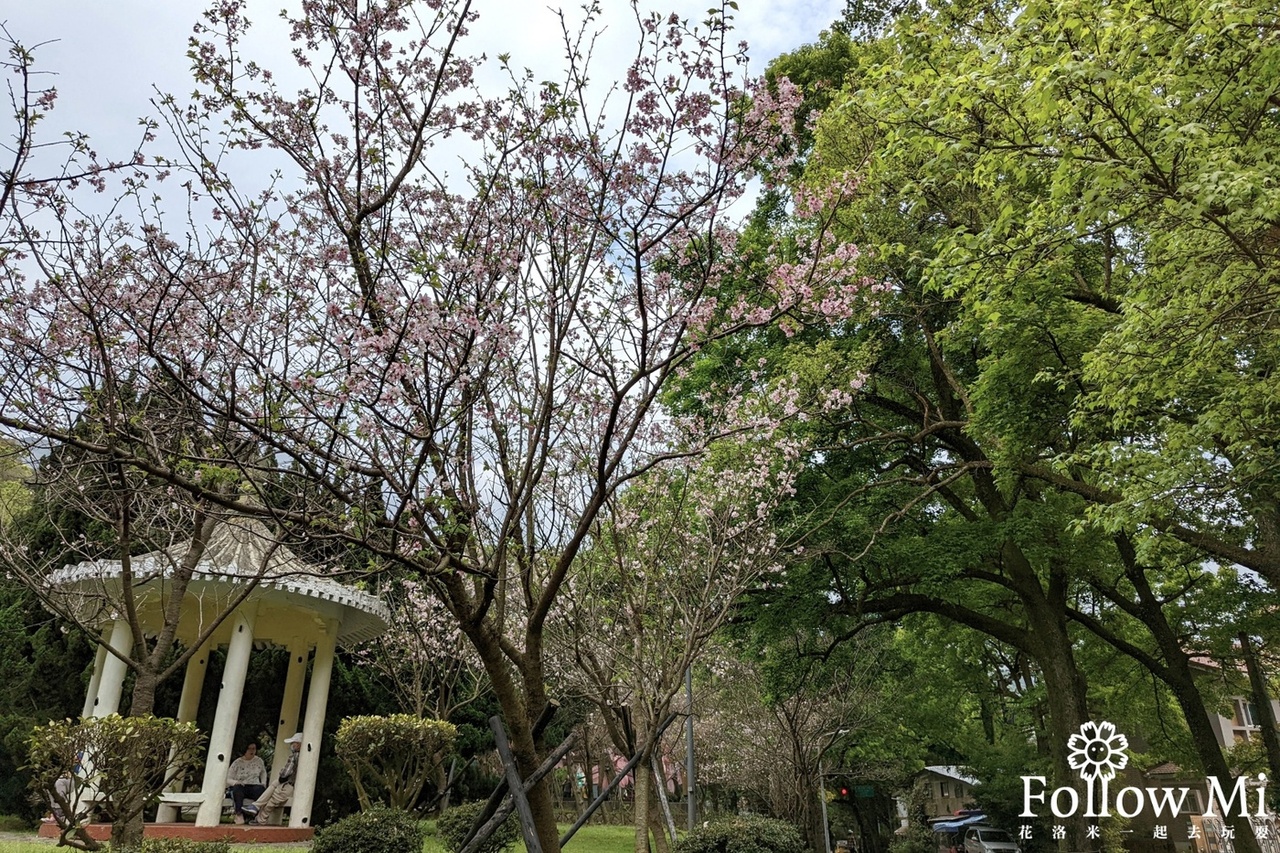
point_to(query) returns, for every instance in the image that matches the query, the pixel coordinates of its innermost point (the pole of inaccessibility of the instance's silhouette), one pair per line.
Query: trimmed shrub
(127, 761)
(454, 824)
(743, 834)
(14, 823)
(378, 830)
(391, 758)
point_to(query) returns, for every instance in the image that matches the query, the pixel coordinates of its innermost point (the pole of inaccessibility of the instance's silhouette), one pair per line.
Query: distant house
(1244, 723)
(1236, 721)
(947, 788)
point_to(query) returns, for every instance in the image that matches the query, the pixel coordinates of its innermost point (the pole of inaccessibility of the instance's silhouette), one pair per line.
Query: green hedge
(390, 759)
(743, 834)
(454, 824)
(377, 830)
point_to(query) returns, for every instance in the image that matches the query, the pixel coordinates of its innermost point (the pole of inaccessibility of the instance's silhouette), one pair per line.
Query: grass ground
(589, 839)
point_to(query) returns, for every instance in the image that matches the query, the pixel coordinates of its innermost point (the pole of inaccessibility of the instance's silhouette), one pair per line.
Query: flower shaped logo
(1097, 751)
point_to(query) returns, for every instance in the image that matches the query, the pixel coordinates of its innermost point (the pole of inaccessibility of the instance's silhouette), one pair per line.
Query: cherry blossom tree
(457, 371)
(84, 294)
(773, 724)
(431, 668)
(669, 559)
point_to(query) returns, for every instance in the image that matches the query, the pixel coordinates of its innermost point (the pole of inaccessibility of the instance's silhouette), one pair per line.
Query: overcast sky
(108, 54)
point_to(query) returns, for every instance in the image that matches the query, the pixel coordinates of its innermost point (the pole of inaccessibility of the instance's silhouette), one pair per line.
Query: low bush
(377, 830)
(455, 823)
(743, 834)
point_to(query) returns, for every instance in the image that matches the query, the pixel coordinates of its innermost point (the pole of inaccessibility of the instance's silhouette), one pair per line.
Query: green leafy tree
(1106, 235)
(964, 474)
(391, 758)
(1137, 194)
(121, 764)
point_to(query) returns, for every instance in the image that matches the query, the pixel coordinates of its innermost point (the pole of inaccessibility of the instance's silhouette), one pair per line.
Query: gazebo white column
(222, 738)
(304, 789)
(106, 699)
(95, 680)
(192, 684)
(291, 705)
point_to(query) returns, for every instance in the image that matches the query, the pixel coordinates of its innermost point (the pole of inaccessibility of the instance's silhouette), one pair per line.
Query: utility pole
(688, 758)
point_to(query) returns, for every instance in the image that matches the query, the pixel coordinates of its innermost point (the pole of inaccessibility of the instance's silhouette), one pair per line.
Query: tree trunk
(525, 752)
(1205, 739)
(640, 787)
(1177, 674)
(807, 791)
(1262, 701)
(518, 713)
(815, 828)
(127, 833)
(442, 783)
(1068, 710)
(143, 700)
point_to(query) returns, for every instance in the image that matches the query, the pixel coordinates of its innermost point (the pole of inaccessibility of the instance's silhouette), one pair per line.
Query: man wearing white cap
(281, 789)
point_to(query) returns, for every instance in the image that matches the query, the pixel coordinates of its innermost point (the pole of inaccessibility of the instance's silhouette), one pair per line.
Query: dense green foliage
(1039, 435)
(15, 497)
(1105, 176)
(454, 825)
(126, 761)
(743, 834)
(40, 665)
(376, 830)
(392, 757)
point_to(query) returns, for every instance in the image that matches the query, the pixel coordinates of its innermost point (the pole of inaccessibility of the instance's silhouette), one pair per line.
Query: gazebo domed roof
(293, 597)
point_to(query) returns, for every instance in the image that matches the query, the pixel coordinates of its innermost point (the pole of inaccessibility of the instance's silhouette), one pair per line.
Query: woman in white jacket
(247, 779)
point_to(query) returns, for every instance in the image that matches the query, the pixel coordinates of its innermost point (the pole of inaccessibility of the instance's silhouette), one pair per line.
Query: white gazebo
(294, 605)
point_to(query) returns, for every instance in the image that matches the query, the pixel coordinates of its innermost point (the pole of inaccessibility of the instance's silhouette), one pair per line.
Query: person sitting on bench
(247, 779)
(282, 789)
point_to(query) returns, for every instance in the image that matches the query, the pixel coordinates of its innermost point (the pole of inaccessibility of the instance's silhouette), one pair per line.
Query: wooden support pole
(660, 785)
(499, 792)
(516, 785)
(506, 806)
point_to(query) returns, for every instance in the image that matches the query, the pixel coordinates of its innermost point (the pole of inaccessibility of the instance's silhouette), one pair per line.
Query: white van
(988, 839)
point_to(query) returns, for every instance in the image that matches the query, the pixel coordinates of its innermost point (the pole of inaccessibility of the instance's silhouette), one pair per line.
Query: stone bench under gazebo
(294, 605)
